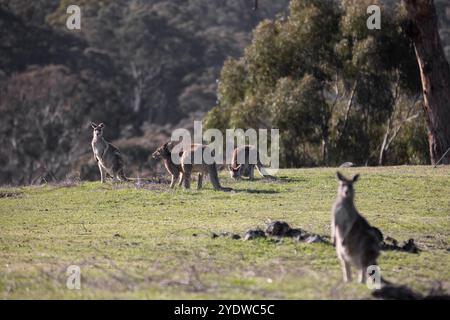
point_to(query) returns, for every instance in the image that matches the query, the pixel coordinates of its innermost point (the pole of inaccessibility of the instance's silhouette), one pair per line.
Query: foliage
(325, 80)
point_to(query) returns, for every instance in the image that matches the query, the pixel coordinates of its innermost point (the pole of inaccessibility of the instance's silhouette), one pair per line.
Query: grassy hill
(152, 242)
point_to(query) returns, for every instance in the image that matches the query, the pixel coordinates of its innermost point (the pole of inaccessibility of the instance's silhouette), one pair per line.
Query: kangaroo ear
(340, 176)
(356, 177)
(93, 125)
(101, 125)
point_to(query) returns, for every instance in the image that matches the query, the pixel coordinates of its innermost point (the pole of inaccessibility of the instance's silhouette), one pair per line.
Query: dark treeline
(337, 91)
(138, 66)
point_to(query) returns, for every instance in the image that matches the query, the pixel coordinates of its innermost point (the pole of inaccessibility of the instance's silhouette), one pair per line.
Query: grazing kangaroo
(356, 241)
(108, 157)
(184, 170)
(246, 169)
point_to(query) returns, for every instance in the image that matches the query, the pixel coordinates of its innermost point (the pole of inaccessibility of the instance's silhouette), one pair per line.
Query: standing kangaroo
(175, 170)
(356, 241)
(108, 157)
(184, 170)
(246, 169)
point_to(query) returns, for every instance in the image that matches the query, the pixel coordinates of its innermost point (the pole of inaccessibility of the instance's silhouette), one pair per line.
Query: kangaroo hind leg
(121, 175)
(174, 178)
(187, 177)
(200, 181)
(346, 270)
(251, 174)
(180, 181)
(102, 173)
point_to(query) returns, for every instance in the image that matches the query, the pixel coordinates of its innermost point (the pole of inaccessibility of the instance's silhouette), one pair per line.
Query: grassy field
(156, 243)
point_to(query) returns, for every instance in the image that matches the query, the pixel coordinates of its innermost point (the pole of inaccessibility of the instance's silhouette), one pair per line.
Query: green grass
(139, 243)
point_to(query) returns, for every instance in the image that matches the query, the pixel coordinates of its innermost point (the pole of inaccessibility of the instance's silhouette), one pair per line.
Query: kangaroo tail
(214, 177)
(262, 170)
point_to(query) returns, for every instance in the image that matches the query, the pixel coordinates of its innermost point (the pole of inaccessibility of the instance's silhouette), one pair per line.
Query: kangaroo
(164, 152)
(355, 240)
(246, 169)
(108, 157)
(184, 170)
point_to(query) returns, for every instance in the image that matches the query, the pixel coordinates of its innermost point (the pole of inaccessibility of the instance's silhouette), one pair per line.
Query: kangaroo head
(163, 151)
(345, 189)
(235, 171)
(98, 129)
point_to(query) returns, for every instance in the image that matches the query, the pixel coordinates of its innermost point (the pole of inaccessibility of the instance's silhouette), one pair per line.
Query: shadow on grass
(256, 191)
(403, 292)
(277, 179)
(286, 179)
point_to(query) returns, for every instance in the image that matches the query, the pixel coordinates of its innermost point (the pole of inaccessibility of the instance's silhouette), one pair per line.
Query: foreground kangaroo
(108, 157)
(246, 169)
(356, 241)
(184, 170)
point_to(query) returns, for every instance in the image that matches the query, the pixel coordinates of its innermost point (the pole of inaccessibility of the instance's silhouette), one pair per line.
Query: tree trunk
(435, 75)
(383, 145)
